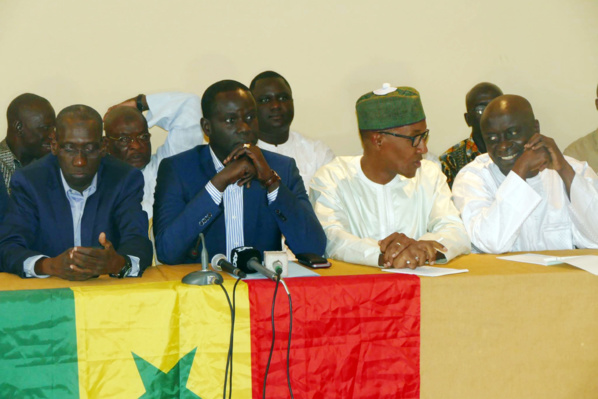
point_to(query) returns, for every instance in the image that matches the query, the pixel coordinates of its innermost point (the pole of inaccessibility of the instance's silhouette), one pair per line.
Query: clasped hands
(245, 163)
(399, 252)
(83, 263)
(541, 152)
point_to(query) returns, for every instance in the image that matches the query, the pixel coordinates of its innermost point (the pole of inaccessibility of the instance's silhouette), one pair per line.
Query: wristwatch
(271, 180)
(139, 102)
(124, 272)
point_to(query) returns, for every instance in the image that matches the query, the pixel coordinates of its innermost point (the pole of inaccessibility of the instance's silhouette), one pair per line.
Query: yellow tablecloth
(503, 330)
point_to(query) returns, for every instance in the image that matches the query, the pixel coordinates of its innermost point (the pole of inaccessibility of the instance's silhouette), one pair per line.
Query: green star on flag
(173, 384)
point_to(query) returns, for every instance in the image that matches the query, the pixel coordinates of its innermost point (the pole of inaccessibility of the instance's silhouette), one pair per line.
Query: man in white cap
(389, 207)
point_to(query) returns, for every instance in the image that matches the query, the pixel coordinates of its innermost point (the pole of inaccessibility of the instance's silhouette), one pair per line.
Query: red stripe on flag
(353, 337)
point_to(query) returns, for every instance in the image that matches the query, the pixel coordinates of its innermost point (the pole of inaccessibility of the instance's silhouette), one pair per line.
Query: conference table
(502, 330)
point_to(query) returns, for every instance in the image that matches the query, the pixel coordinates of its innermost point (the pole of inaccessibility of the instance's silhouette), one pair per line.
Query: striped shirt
(8, 163)
(233, 208)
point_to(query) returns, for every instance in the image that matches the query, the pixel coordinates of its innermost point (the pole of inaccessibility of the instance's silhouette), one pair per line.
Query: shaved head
(507, 125)
(24, 103)
(122, 115)
(78, 115)
(78, 145)
(128, 136)
(508, 104)
(31, 120)
(481, 90)
(476, 101)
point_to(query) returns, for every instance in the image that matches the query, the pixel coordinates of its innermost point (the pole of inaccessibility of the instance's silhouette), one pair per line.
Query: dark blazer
(39, 219)
(183, 208)
(3, 197)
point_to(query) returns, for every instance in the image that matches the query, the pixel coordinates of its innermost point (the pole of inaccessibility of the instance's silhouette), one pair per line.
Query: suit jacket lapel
(90, 212)
(251, 204)
(61, 209)
(205, 162)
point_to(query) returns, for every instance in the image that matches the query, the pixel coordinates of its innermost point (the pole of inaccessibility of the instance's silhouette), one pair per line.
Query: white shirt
(180, 115)
(508, 214)
(355, 212)
(310, 155)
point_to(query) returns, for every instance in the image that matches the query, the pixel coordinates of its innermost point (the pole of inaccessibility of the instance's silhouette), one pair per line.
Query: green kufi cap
(389, 107)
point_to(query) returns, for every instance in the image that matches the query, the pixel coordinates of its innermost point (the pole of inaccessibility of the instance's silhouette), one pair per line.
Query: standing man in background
(31, 121)
(467, 150)
(275, 109)
(129, 138)
(586, 148)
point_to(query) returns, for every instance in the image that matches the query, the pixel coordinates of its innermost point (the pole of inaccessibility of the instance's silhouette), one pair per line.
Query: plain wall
(102, 52)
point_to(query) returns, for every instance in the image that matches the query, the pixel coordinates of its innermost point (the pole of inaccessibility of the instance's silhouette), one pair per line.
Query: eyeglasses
(89, 150)
(125, 141)
(415, 140)
(479, 109)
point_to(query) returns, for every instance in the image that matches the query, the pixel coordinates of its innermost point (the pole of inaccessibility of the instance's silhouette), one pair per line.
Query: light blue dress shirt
(77, 202)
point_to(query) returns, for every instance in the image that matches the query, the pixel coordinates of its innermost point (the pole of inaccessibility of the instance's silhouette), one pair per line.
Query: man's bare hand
(240, 171)
(253, 153)
(97, 260)
(392, 246)
(62, 266)
(556, 160)
(531, 162)
(417, 253)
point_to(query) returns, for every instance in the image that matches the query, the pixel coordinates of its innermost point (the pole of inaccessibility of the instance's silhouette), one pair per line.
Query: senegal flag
(350, 339)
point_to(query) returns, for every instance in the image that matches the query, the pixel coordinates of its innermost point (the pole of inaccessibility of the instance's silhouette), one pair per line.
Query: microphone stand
(203, 276)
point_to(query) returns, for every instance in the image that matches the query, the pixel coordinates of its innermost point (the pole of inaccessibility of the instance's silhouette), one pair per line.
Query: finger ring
(399, 244)
(408, 262)
(417, 258)
(246, 145)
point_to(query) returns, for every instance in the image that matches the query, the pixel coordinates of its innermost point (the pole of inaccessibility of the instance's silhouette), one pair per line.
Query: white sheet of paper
(589, 263)
(427, 271)
(538, 259)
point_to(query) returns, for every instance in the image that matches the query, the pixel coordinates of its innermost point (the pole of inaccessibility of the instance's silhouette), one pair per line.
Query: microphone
(204, 252)
(249, 260)
(220, 263)
(194, 252)
(203, 276)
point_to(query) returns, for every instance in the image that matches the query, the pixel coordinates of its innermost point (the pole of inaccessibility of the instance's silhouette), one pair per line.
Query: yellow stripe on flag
(160, 324)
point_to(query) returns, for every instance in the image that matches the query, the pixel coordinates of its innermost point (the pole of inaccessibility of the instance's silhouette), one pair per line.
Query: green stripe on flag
(38, 344)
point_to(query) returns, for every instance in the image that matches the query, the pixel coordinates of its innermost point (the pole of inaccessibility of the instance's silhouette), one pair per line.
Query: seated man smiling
(524, 194)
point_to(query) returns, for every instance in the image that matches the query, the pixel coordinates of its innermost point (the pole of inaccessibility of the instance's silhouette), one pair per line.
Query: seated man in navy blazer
(76, 214)
(230, 190)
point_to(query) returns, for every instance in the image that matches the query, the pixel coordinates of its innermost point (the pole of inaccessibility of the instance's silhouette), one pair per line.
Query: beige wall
(101, 52)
